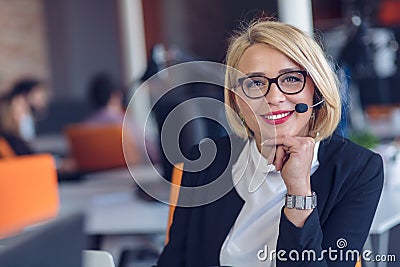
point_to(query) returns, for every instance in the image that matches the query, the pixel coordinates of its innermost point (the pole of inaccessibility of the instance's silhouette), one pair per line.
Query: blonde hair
(303, 50)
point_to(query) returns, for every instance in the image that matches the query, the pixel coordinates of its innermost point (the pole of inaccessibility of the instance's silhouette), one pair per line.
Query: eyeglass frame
(272, 81)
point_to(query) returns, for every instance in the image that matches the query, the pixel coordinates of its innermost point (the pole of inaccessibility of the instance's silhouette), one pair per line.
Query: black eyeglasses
(289, 83)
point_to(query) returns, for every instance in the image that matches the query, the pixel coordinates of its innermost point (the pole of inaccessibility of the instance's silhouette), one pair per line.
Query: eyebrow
(251, 74)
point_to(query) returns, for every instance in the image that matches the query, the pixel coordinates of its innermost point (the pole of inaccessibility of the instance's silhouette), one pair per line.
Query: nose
(275, 96)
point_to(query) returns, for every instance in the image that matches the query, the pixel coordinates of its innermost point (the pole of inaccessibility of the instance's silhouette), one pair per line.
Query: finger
(280, 157)
(306, 145)
(293, 144)
(287, 141)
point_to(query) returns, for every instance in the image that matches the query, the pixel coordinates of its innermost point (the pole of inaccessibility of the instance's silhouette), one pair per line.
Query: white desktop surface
(387, 214)
(386, 217)
(129, 215)
(111, 206)
(50, 143)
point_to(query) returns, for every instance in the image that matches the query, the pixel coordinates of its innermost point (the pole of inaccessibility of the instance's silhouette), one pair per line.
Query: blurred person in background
(13, 111)
(35, 93)
(106, 97)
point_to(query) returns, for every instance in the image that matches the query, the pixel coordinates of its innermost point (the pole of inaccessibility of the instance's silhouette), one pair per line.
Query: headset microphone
(303, 107)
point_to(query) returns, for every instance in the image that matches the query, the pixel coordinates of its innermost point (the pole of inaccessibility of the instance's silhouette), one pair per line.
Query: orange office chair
(5, 149)
(177, 172)
(97, 147)
(28, 192)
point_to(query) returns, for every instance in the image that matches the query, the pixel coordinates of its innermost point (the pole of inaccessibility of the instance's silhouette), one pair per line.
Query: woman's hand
(293, 157)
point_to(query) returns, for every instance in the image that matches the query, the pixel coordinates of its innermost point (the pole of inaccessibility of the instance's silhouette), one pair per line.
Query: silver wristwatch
(301, 202)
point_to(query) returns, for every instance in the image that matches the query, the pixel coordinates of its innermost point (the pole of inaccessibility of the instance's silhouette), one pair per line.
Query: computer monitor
(58, 243)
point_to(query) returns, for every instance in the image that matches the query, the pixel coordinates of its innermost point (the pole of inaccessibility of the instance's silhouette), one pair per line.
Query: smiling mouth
(277, 116)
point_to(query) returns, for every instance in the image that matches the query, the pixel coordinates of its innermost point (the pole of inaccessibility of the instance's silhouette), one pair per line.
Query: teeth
(277, 116)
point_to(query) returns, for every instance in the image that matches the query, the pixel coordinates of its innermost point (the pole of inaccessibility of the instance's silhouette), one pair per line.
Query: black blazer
(348, 184)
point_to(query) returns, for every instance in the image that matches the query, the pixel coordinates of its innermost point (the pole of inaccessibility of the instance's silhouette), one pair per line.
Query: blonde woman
(300, 195)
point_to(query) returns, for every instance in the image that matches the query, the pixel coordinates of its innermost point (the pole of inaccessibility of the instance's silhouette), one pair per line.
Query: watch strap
(301, 202)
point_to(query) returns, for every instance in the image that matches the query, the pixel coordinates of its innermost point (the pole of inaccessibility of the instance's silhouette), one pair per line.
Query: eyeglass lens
(289, 83)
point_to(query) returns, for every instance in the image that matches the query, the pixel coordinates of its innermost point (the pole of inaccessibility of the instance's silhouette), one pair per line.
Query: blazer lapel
(323, 179)
(221, 214)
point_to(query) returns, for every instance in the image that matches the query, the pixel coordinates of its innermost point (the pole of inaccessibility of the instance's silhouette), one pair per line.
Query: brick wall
(23, 44)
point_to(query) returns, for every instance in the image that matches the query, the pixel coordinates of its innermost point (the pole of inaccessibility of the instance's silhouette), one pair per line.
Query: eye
(254, 82)
(291, 78)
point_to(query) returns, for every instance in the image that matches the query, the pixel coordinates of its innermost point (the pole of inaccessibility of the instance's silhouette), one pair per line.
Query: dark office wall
(202, 27)
(83, 40)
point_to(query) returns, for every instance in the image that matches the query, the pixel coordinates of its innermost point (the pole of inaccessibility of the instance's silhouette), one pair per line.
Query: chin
(287, 133)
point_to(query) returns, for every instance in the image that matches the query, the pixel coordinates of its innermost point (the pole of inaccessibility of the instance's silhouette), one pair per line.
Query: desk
(112, 208)
(386, 217)
(51, 143)
(388, 212)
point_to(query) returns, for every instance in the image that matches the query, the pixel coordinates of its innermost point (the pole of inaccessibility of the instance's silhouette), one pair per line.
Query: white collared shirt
(263, 190)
